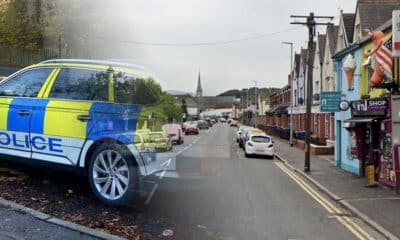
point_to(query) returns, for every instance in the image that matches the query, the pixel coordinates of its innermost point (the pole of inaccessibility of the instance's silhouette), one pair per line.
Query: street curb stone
(53, 220)
(342, 202)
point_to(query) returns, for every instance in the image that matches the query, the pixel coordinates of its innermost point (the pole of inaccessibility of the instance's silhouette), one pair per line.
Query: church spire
(199, 90)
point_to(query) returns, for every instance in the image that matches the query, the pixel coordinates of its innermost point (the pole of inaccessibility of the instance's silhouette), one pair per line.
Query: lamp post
(291, 92)
(255, 94)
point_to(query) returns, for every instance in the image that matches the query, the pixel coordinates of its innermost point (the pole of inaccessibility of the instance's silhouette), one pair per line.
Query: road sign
(330, 101)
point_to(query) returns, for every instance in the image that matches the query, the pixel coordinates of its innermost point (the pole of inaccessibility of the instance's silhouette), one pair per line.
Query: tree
(21, 24)
(184, 107)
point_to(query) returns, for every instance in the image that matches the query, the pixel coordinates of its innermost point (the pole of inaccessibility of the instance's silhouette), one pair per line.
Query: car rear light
(271, 145)
(250, 144)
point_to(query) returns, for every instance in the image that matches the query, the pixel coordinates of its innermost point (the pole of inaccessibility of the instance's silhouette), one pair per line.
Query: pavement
(379, 206)
(16, 225)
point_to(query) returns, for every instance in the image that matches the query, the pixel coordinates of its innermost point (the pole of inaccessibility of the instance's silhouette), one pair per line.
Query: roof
(304, 56)
(297, 64)
(280, 109)
(348, 22)
(321, 46)
(374, 13)
(264, 94)
(94, 62)
(332, 33)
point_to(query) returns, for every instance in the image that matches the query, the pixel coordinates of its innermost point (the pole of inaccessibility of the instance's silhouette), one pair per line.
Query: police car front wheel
(112, 174)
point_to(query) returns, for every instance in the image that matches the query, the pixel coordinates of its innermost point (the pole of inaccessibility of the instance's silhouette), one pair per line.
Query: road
(211, 191)
(223, 195)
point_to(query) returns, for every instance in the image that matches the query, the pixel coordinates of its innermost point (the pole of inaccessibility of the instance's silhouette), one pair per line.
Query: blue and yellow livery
(83, 114)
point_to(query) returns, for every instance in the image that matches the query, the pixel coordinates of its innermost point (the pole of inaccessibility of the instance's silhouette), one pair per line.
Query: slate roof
(321, 46)
(303, 56)
(348, 22)
(374, 13)
(297, 64)
(332, 33)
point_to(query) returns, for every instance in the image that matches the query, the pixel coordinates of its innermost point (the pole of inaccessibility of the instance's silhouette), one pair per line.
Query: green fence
(14, 57)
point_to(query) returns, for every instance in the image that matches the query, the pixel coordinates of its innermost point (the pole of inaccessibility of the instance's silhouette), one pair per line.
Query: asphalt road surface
(210, 191)
(220, 194)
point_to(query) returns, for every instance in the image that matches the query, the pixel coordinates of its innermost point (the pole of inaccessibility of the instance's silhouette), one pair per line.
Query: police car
(81, 114)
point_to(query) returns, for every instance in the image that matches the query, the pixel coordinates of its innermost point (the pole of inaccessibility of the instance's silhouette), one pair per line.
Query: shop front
(370, 128)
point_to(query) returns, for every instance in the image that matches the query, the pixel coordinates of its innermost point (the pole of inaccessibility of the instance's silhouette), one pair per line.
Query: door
(67, 114)
(18, 99)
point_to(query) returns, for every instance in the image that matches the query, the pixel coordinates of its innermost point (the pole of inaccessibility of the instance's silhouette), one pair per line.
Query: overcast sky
(223, 67)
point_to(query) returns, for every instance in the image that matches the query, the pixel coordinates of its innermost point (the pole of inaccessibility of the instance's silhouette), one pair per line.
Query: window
(260, 139)
(81, 84)
(135, 90)
(27, 84)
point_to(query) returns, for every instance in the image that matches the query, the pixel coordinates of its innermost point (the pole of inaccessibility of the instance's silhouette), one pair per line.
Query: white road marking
(163, 173)
(166, 163)
(151, 194)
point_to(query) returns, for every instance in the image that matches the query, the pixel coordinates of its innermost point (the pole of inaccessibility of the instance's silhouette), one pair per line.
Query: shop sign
(369, 107)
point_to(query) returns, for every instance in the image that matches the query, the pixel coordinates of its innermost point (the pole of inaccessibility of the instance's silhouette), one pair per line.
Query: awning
(362, 119)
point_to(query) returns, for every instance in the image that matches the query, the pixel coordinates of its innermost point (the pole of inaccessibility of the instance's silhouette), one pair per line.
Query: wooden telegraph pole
(310, 23)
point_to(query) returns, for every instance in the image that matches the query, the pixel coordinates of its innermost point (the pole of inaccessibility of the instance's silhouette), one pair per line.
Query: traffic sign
(330, 101)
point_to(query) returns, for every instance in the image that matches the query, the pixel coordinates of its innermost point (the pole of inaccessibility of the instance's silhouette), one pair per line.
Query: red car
(191, 129)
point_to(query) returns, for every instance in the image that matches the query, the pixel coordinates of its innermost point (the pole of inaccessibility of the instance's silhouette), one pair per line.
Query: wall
(343, 157)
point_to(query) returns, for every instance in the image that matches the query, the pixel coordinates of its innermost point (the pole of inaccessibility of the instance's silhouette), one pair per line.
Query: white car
(259, 144)
(241, 131)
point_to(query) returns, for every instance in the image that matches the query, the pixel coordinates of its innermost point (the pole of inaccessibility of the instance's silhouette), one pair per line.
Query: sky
(167, 38)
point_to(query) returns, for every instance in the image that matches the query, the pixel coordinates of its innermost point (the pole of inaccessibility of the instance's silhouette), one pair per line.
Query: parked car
(242, 130)
(175, 132)
(222, 120)
(243, 136)
(246, 135)
(202, 124)
(76, 113)
(234, 123)
(192, 129)
(259, 144)
(161, 141)
(213, 122)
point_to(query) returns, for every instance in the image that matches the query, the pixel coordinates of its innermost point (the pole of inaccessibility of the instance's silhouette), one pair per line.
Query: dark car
(191, 129)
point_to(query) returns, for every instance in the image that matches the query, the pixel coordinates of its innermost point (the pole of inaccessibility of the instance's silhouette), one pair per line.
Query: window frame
(18, 74)
(60, 68)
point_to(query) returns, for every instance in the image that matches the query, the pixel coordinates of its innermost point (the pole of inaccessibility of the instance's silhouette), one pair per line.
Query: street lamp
(291, 92)
(255, 94)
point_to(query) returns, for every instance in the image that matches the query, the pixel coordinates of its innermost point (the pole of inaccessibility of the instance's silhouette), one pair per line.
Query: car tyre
(113, 175)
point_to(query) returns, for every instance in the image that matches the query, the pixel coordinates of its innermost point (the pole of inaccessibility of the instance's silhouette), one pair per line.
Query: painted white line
(166, 163)
(151, 194)
(179, 152)
(163, 173)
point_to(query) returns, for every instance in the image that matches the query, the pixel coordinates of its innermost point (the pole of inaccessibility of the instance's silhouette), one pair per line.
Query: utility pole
(291, 93)
(311, 32)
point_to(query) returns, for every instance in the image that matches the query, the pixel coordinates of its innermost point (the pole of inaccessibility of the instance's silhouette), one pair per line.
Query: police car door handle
(24, 112)
(84, 118)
